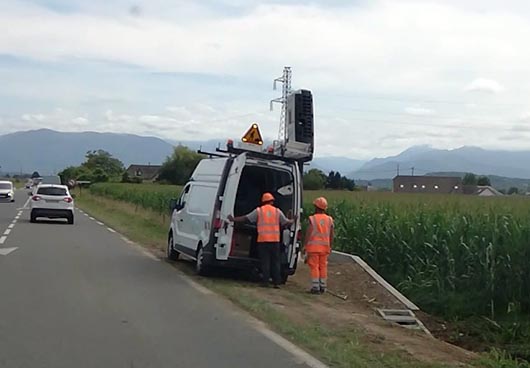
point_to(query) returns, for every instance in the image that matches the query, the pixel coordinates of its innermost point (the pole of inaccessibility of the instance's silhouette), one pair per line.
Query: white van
(221, 186)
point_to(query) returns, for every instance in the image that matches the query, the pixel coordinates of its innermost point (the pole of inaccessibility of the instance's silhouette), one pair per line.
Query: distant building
(144, 172)
(487, 191)
(428, 184)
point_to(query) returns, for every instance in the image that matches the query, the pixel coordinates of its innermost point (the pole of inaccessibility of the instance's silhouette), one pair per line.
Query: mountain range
(420, 160)
(49, 151)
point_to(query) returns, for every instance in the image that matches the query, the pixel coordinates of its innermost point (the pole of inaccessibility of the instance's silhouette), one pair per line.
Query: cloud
(420, 111)
(33, 117)
(484, 85)
(80, 121)
(525, 116)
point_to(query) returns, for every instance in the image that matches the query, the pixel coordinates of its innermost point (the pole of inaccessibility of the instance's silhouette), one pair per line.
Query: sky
(385, 75)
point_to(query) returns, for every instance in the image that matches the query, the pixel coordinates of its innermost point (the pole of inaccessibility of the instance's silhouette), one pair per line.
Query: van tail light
(68, 200)
(217, 222)
(35, 198)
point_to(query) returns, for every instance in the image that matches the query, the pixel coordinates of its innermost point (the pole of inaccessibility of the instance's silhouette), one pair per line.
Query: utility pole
(397, 169)
(285, 80)
(412, 169)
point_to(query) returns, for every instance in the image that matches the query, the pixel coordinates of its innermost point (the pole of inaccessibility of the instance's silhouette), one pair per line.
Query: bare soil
(359, 312)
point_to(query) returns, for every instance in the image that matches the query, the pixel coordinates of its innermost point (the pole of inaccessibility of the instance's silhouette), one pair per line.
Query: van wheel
(171, 253)
(200, 267)
(70, 219)
(32, 218)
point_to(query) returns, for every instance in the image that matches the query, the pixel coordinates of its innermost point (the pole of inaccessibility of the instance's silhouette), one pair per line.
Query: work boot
(314, 291)
(323, 290)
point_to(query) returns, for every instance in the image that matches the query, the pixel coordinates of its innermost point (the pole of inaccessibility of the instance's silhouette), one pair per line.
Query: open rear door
(227, 208)
(294, 246)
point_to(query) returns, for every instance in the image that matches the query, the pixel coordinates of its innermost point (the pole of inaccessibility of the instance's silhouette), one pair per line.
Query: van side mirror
(173, 204)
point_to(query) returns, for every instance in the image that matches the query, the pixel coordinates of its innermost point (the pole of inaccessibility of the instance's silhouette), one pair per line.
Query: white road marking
(91, 218)
(86, 214)
(11, 226)
(149, 254)
(300, 355)
(7, 232)
(2, 239)
(6, 251)
(99, 223)
(111, 230)
(25, 207)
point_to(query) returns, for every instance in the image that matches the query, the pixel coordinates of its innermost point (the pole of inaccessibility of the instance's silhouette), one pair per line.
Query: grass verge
(334, 345)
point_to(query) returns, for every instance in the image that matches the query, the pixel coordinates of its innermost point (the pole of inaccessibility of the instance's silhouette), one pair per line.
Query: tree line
(316, 179)
(101, 166)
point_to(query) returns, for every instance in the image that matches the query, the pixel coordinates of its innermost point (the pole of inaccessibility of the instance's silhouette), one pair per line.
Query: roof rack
(231, 150)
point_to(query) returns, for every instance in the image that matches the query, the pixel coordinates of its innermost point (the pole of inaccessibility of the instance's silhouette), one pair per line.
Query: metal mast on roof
(285, 80)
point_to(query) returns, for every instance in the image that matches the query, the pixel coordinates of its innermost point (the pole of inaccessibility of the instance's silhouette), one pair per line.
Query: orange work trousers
(318, 263)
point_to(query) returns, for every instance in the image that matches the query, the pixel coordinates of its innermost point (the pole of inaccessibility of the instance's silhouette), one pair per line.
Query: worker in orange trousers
(318, 244)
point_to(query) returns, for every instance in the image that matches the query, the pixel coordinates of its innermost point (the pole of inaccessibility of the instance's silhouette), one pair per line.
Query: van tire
(32, 217)
(171, 253)
(200, 267)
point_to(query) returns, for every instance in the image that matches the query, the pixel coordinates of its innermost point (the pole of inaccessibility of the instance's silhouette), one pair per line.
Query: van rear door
(224, 242)
(294, 246)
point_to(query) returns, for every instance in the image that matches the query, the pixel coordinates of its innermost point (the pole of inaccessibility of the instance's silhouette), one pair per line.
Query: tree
(179, 166)
(513, 190)
(336, 181)
(35, 175)
(469, 179)
(483, 180)
(101, 159)
(314, 179)
(99, 166)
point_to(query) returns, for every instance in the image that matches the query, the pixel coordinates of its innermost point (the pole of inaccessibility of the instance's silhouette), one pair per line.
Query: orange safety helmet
(267, 197)
(321, 203)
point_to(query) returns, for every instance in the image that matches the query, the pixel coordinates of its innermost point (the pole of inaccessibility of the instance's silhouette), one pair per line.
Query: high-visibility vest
(268, 224)
(320, 225)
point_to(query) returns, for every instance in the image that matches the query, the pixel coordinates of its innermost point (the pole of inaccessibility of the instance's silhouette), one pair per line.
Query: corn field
(455, 256)
(153, 197)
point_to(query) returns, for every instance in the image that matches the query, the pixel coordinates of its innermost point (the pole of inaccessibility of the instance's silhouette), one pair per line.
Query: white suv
(52, 201)
(7, 193)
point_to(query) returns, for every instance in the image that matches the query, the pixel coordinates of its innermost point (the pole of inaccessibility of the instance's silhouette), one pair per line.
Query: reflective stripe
(268, 224)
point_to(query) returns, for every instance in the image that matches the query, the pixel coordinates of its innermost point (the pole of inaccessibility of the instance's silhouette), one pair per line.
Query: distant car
(52, 201)
(7, 192)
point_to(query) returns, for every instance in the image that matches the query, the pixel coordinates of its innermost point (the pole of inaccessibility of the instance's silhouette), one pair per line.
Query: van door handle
(181, 220)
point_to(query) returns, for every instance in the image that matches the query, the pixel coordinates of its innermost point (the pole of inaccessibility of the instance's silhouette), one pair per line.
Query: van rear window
(5, 186)
(52, 191)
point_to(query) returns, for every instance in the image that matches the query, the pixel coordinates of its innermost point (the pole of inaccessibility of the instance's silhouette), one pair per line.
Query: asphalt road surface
(80, 296)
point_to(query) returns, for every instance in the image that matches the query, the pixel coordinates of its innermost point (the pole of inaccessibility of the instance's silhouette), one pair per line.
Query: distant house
(487, 191)
(428, 184)
(144, 172)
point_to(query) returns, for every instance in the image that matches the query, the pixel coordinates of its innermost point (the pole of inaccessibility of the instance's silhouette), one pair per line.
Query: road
(80, 296)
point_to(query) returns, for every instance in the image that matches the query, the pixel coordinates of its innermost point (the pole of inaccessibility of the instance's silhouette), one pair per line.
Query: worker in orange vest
(269, 220)
(318, 243)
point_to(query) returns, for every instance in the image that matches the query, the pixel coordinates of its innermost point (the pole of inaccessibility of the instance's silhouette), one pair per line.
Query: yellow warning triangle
(253, 135)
